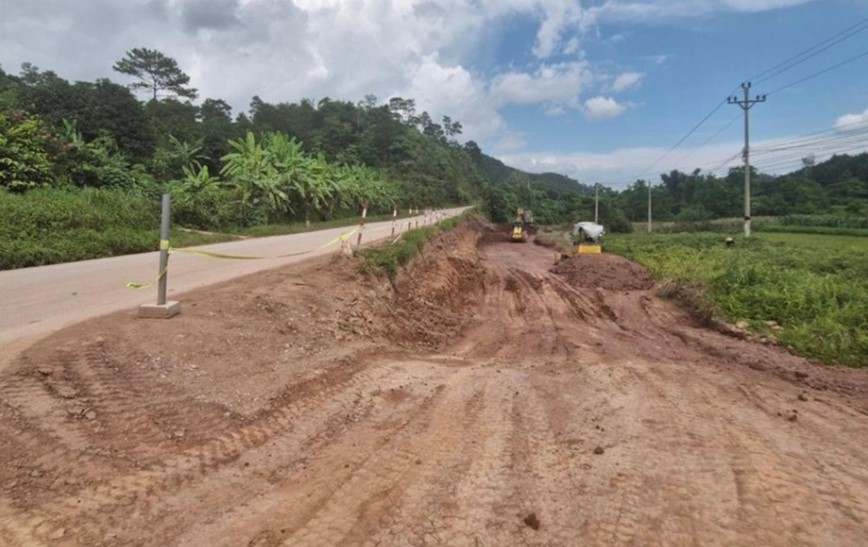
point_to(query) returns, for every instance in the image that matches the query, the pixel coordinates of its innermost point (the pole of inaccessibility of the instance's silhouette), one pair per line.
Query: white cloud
(850, 121)
(453, 91)
(620, 167)
(572, 46)
(558, 84)
(601, 108)
(658, 59)
(509, 143)
(288, 50)
(626, 81)
(559, 16)
(643, 11)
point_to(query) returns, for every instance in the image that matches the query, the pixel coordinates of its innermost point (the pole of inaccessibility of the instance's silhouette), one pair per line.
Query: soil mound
(605, 272)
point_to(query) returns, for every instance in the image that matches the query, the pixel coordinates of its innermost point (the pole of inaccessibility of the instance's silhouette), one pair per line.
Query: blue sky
(594, 89)
(688, 66)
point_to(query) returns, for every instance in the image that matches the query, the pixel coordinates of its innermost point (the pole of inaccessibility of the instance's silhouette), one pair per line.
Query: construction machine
(522, 225)
(587, 237)
(518, 232)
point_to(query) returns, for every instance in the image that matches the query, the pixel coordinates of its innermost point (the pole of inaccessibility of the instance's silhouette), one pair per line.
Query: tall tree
(156, 72)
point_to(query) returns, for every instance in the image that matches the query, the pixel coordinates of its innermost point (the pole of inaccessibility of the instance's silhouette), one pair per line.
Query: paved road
(37, 301)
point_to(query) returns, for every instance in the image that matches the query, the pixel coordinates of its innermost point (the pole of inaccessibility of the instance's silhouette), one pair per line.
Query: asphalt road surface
(37, 301)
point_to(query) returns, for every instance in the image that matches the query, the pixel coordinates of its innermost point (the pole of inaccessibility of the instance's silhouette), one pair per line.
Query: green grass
(827, 230)
(389, 258)
(815, 286)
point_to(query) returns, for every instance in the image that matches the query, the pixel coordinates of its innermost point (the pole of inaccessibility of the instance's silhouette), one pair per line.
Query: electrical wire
(709, 139)
(820, 73)
(766, 75)
(809, 53)
(684, 138)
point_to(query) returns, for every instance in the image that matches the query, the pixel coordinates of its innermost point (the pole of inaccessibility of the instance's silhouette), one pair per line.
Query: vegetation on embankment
(49, 226)
(389, 257)
(814, 286)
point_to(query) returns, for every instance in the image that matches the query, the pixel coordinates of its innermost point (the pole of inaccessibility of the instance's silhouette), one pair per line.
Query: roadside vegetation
(69, 147)
(815, 287)
(388, 258)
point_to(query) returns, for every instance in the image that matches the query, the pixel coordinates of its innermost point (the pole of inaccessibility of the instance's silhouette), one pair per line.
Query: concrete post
(164, 251)
(163, 309)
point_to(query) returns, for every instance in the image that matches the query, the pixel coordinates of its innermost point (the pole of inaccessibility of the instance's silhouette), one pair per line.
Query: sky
(598, 90)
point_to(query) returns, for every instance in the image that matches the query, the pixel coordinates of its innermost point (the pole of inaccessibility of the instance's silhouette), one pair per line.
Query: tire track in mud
(477, 470)
(419, 447)
(88, 510)
(542, 475)
(304, 486)
(751, 447)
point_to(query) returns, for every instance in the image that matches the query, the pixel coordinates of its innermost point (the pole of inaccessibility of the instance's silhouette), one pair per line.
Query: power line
(820, 73)
(766, 75)
(810, 53)
(843, 134)
(843, 129)
(684, 138)
(709, 139)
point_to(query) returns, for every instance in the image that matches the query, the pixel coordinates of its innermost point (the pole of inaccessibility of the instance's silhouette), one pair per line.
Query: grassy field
(798, 224)
(815, 286)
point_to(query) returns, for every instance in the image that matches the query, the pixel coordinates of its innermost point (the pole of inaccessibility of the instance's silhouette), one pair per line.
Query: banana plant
(252, 171)
(312, 185)
(196, 181)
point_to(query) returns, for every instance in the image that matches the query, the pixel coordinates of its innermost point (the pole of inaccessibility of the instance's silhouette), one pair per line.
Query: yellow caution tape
(209, 254)
(137, 285)
(164, 245)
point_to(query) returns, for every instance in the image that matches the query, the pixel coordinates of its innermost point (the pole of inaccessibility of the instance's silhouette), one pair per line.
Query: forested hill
(279, 162)
(553, 182)
(60, 134)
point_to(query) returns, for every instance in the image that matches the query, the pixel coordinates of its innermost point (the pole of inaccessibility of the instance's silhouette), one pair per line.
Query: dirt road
(37, 301)
(483, 400)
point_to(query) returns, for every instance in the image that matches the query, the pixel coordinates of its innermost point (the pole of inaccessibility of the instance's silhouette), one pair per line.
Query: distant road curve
(35, 302)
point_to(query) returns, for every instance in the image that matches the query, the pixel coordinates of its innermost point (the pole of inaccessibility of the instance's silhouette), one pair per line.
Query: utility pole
(649, 207)
(597, 203)
(746, 104)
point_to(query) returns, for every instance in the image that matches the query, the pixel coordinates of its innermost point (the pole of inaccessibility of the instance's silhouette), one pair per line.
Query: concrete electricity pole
(746, 104)
(597, 203)
(649, 207)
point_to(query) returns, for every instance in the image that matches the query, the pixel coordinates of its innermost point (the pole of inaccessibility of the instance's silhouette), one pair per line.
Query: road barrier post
(394, 218)
(163, 309)
(362, 225)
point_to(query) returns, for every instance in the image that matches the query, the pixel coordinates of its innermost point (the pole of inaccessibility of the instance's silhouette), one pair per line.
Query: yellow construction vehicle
(522, 225)
(518, 232)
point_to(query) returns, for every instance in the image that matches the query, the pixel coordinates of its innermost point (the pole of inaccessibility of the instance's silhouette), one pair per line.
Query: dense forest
(274, 163)
(314, 160)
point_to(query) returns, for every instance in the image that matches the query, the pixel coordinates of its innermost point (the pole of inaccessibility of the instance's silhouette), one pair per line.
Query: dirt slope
(484, 400)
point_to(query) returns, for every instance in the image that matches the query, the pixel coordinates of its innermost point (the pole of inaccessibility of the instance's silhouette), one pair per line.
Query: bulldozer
(518, 232)
(523, 225)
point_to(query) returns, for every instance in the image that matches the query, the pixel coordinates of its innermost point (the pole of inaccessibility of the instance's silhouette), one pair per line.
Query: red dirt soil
(310, 405)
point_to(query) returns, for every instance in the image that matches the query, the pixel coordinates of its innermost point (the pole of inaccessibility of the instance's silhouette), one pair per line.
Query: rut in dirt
(487, 398)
